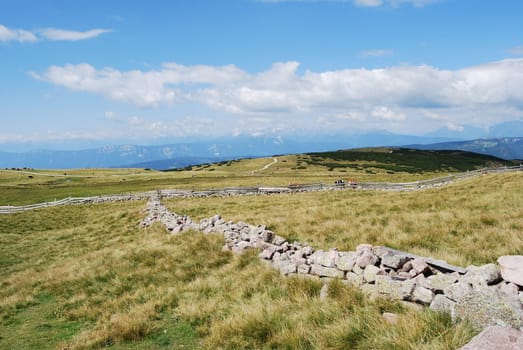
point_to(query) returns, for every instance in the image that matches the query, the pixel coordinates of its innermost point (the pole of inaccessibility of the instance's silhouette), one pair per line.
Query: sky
(112, 71)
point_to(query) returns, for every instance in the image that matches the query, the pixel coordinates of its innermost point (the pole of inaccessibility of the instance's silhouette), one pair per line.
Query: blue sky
(83, 72)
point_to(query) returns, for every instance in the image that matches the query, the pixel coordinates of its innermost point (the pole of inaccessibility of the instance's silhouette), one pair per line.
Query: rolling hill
(506, 147)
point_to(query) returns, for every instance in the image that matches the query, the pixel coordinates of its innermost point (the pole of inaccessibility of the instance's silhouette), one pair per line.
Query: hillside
(364, 165)
(505, 148)
(405, 160)
(86, 276)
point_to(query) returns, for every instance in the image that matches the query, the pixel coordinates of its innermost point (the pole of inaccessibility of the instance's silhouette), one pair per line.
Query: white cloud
(22, 35)
(365, 3)
(70, 35)
(19, 35)
(454, 127)
(368, 3)
(376, 53)
(282, 89)
(386, 113)
(387, 97)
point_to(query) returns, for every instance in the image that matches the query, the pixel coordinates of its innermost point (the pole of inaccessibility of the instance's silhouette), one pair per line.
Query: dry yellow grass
(469, 222)
(85, 277)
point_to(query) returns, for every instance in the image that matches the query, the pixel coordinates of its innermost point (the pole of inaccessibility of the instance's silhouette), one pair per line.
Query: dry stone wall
(482, 294)
(246, 191)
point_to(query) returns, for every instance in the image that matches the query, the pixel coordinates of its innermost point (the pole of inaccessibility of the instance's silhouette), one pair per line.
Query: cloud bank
(282, 89)
(396, 98)
(53, 34)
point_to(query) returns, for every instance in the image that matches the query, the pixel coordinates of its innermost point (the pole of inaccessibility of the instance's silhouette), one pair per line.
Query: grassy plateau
(86, 277)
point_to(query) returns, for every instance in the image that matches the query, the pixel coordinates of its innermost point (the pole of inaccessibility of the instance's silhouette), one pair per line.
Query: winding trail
(265, 167)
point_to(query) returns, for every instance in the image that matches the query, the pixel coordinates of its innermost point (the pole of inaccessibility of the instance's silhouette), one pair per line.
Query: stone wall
(485, 295)
(246, 191)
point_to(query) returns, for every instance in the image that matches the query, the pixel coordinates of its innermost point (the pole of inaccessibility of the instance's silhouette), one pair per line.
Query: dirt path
(266, 166)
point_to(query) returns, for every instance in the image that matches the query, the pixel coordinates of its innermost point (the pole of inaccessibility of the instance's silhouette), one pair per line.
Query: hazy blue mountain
(203, 151)
(505, 148)
(181, 162)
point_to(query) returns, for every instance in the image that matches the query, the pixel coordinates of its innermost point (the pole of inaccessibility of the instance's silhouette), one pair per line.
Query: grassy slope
(405, 160)
(469, 222)
(84, 277)
(18, 188)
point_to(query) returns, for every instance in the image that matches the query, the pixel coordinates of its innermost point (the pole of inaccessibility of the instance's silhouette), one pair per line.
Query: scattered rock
(487, 307)
(483, 275)
(366, 257)
(442, 303)
(354, 279)
(346, 261)
(398, 290)
(390, 318)
(475, 293)
(438, 282)
(511, 267)
(370, 272)
(324, 292)
(422, 295)
(496, 337)
(456, 291)
(419, 266)
(323, 271)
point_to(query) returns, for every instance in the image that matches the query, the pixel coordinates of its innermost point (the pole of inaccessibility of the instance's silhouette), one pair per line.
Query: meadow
(86, 277)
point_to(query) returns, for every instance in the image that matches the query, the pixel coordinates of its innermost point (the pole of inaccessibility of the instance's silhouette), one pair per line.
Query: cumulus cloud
(53, 34)
(20, 35)
(70, 35)
(281, 89)
(386, 113)
(409, 96)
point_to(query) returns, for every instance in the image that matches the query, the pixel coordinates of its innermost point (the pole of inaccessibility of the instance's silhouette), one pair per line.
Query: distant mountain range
(505, 148)
(190, 153)
(183, 154)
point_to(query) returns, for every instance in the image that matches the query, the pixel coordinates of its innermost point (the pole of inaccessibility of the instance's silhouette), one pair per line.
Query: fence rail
(230, 191)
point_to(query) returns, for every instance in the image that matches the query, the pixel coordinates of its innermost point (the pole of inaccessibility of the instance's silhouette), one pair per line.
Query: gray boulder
(354, 279)
(392, 258)
(287, 267)
(482, 275)
(456, 291)
(422, 295)
(323, 271)
(370, 272)
(488, 307)
(398, 290)
(346, 261)
(442, 303)
(438, 282)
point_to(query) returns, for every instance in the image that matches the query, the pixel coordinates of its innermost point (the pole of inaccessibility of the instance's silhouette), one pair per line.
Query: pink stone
(512, 268)
(496, 337)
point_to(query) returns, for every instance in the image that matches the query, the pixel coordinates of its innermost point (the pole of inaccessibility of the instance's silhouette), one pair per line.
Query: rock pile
(480, 294)
(173, 223)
